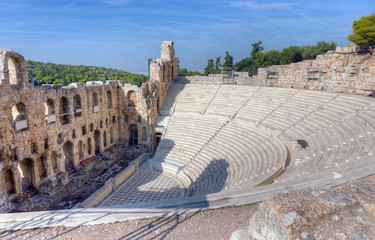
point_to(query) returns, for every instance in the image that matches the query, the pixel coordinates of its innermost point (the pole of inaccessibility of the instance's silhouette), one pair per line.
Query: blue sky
(123, 34)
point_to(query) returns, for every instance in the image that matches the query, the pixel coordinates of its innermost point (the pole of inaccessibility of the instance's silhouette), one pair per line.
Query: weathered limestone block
(346, 211)
(5, 204)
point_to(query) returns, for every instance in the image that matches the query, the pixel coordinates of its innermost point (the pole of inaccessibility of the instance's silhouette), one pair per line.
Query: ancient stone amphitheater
(215, 145)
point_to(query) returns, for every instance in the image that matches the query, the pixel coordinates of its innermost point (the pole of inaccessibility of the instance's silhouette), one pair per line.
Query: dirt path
(209, 224)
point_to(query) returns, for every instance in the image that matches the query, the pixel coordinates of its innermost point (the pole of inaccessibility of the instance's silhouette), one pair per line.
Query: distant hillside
(50, 73)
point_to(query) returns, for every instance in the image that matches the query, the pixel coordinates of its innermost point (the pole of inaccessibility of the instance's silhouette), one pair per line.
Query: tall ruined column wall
(49, 130)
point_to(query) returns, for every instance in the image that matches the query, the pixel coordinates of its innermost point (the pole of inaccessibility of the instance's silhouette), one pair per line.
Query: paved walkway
(145, 186)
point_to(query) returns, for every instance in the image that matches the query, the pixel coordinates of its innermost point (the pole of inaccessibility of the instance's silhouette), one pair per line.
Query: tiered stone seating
(195, 97)
(247, 156)
(171, 98)
(219, 150)
(223, 105)
(295, 109)
(263, 103)
(186, 135)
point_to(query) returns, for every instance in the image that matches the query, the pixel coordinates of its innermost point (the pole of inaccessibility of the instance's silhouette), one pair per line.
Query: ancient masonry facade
(47, 131)
(348, 69)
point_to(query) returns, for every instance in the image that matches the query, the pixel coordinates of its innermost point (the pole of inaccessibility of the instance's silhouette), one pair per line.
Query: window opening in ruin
(46, 146)
(80, 150)
(144, 134)
(91, 127)
(89, 146)
(272, 78)
(74, 134)
(42, 167)
(164, 73)
(77, 106)
(55, 165)
(68, 149)
(113, 119)
(109, 99)
(139, 119)
(59, 138)
(171, 77)
(133, 135)
(19, 115)
(26, 170)
(111, 136)
(158, 136)
(126, 118)
(106, 122)
(101, 124)
(97, 141)
(14, 155)
(49, 107)
(95, 102)
(105, 139)
(132, 99)
(34, 148)
(12, 68)
(9, 182)
(64, 110)
(83, 130)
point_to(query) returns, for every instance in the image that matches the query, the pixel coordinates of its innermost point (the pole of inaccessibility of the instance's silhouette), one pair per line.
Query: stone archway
(26, 169)
(9, 182)
(133, 134)
(68, 149)
(97, 141)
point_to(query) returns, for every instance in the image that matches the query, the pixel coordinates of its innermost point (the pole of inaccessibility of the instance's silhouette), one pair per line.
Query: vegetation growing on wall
(49, 73)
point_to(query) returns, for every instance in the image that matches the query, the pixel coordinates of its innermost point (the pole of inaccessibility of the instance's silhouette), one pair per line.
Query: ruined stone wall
(348, 69)
(242, 78)
(48, 130)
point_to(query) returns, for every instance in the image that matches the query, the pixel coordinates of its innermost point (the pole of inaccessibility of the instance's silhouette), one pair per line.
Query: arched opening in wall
(97, 141)
(158, 105)
(132, 99)
(55, 165)
(19, 115)
(9, 182)
(111, 136)
(68, 149)
(77, 105)
(144, 134)
(158, 136)
(95, 102)
(164, 73)
(49, 111)
(42, 167)
(13, 66)
(26, 169)
(89, 146)
(105, 139)
(80, 150)
(64, 110)
(109, 99)
(133, 135)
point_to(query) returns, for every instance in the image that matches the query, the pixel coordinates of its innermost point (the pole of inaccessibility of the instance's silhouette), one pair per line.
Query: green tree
(228, 61)
(218, 63)
(364, 31)
(210, 68)
(183, 71)
(256, 49)
(246, 65)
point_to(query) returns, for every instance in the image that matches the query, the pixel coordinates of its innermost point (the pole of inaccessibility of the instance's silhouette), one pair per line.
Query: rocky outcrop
(345, 211)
